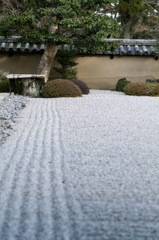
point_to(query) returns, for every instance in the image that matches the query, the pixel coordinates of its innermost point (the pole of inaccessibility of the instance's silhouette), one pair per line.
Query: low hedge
(142, 89)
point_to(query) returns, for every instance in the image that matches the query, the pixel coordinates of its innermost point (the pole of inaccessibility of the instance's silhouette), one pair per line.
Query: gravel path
(82, 169)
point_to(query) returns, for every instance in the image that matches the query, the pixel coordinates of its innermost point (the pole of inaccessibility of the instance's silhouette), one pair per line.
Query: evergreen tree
(147, 26)
(67, 69)
(55, 22)
(130, 12)
(138, 18)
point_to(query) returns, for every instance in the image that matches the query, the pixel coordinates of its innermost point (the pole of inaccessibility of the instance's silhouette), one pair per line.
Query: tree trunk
(127, 31)
(47, 59)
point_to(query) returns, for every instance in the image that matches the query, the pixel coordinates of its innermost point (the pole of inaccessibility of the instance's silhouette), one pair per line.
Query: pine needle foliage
(64, 58)
(59, 21)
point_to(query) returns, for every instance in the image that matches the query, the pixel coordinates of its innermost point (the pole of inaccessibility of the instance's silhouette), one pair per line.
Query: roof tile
(126, 47)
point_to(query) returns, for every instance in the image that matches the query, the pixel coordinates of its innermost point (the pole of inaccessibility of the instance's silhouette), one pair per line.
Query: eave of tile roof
(135, 47)
(138, 47)
(12, 45)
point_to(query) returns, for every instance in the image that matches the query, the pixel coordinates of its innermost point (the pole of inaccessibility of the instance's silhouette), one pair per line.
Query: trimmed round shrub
(83, 86)
(4, 85)
(142, 89)
(121, 84)
(61, 88)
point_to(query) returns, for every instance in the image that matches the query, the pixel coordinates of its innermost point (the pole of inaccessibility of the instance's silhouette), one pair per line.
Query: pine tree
(55, 22)
(138, 18)
(67, 70)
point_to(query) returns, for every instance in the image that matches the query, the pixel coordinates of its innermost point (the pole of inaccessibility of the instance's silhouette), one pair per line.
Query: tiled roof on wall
(135, 47)
(126, 47)
(13, 45)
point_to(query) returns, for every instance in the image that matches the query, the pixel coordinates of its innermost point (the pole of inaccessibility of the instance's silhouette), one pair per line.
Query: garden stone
(26, 84)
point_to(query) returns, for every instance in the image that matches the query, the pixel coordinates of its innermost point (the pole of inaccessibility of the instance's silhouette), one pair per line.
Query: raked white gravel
(83, 168)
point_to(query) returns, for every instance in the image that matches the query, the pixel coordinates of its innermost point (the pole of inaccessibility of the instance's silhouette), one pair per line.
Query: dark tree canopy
(138, 18)
(57, 22)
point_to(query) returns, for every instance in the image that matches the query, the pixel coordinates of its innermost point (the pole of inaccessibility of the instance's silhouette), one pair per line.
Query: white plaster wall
(99, 72)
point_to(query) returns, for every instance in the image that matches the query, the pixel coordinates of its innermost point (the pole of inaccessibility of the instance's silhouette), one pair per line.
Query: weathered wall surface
(25, 63)
(99, 72)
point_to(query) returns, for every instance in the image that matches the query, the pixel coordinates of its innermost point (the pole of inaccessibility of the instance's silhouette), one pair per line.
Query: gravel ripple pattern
(82, 169)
